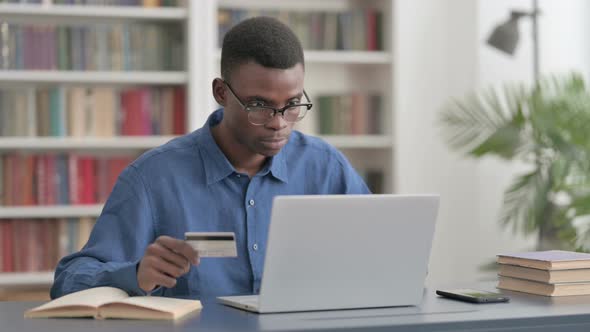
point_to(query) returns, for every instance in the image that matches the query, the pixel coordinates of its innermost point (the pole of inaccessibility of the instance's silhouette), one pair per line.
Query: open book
(109, 302)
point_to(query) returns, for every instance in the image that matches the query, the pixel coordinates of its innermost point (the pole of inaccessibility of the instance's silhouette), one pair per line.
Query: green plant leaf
(490, 123)
(504, 142)
(547, 127)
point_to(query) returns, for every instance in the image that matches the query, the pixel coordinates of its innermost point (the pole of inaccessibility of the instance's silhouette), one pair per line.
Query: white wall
(495, 175)
(436, 58)
(441, 52)
(563, 35)
(564, 39)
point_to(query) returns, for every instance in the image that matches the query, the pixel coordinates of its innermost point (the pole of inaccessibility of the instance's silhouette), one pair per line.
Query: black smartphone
(473, 295)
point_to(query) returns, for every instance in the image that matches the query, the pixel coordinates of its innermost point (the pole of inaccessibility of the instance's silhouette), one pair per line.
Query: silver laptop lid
(347, 251)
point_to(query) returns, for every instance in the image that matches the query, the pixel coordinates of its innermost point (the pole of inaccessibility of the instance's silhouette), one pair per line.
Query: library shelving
(341, 69)
(349, 47)
(28, 28)
(56, 211)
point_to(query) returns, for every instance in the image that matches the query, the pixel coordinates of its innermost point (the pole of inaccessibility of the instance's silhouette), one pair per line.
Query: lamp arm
(534, 14)
(535, 31)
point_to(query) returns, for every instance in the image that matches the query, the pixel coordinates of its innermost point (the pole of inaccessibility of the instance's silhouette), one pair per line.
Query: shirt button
(238, 175)
(255, 246)
(251, 202)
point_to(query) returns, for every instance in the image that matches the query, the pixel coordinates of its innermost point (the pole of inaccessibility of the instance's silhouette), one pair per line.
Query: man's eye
(294, 102)
(256, 104)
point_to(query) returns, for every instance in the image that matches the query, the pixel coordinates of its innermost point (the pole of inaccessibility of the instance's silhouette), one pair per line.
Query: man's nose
(277, 122)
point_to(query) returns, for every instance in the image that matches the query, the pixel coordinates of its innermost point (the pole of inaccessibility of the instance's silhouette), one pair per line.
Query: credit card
(212, 244)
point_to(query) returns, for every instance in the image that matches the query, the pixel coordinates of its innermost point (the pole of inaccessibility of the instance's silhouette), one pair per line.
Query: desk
(523, 313)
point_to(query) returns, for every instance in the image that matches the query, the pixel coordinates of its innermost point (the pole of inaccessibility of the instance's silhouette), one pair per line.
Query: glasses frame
(275, 110)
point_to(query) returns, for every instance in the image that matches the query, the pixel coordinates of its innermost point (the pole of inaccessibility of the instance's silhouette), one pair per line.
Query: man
(220, 178)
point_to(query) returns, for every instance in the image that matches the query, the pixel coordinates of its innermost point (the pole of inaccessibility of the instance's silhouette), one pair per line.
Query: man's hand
(165, 260)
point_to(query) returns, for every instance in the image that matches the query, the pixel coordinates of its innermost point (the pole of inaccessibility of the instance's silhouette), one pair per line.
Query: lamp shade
(505, 36)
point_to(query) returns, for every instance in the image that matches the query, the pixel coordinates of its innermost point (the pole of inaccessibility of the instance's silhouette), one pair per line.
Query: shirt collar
(216, 165)
(277, 166)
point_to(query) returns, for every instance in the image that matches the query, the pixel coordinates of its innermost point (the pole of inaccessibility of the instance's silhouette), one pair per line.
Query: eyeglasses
(260, 115)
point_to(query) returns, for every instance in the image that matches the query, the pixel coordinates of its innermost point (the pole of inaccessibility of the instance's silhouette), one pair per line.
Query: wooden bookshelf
(331, 72)
(360, 141)
(16, 279)
(82, 143)
(343, 57)
(328, 71)
(25, 286)
(291, 5)
(34, 285)
(92, 77)
(84, 14)
(54, 211)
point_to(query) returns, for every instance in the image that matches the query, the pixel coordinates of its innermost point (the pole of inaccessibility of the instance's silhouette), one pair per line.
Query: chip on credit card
(212, 244)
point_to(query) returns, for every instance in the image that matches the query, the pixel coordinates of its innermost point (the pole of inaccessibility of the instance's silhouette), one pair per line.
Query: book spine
(7, 245)
(73, 179)
(2, 176)
(51, 180)
(179, 111)
(8, 180)
(41, 178)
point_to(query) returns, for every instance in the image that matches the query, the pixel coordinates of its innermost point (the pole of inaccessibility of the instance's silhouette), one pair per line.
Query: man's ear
(218, 89)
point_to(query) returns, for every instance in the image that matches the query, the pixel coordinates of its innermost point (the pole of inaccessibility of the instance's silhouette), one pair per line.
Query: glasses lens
(295, 113)
(262, 115)
(259, 115)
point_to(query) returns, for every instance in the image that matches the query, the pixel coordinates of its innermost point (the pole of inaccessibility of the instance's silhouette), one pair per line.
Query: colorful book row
(98, 111)
(144, 3)
(49, 179)
(37, 245)
(101, 47)
(359, 29)
(353, 114)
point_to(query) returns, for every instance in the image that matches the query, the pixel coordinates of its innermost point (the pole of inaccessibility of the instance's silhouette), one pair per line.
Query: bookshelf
(334, 72)
(148, 142)
(16, 279)
(92, 77)
(82, 143)
(359, 141)
(81, 216)
(68, 13)
(341, 57)
(328, 72)
(56, 211)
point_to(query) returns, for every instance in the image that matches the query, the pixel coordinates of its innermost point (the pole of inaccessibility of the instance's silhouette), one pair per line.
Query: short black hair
(264, 40)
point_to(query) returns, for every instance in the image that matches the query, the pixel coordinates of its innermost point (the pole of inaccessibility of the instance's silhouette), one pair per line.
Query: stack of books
(548, 273)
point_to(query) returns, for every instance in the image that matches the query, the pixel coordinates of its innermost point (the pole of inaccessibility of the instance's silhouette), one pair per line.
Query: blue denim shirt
(189, 185)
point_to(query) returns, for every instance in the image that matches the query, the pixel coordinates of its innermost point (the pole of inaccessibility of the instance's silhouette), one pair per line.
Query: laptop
(329, 252)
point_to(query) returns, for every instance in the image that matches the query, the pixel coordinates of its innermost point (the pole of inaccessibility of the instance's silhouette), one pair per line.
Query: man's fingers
(180, 247)
(164, 261)
(162, 279)
(158, 250)
(168, 268)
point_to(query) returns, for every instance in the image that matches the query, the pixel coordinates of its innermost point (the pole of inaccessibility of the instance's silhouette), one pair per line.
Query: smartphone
(473, 295)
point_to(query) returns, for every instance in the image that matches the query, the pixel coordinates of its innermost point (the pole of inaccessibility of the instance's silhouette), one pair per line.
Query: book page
(175, 307)
(93, 297)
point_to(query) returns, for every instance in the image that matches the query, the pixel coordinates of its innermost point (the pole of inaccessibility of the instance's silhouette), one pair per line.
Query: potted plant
(546, 127)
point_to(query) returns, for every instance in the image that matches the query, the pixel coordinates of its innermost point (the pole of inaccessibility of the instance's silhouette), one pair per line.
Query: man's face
(254, 84)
